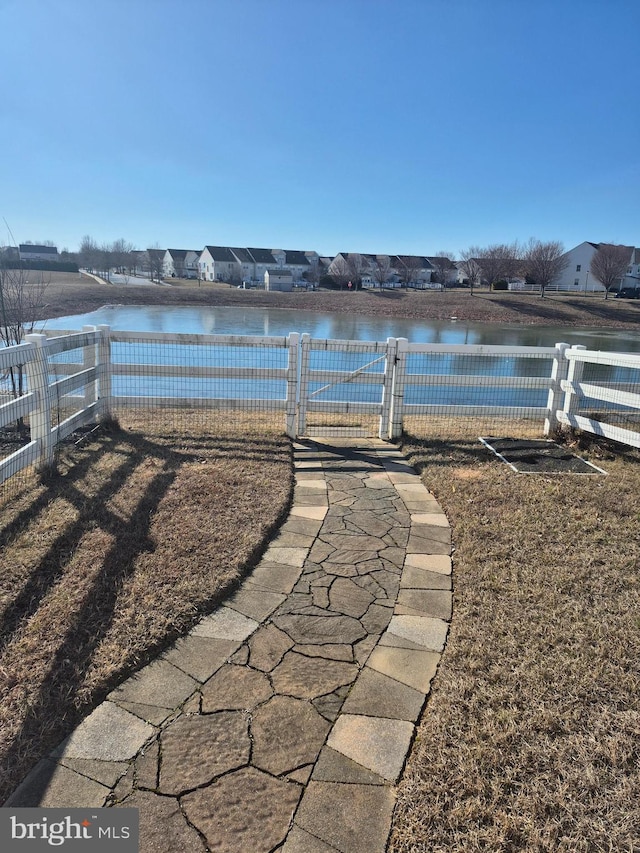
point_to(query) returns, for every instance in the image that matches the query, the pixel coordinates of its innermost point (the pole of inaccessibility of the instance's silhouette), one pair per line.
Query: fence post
(389, 368)
(104, 373)
(559, 370)
(305, 348)
(38, 383)
(574, 377)
(89, 360)
(293, 342)
(397, 394)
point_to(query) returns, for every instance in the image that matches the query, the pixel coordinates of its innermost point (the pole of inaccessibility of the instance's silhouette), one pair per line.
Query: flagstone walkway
(283, 721)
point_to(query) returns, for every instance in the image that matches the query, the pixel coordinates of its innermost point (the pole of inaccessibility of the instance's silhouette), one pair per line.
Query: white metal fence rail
(298, 375)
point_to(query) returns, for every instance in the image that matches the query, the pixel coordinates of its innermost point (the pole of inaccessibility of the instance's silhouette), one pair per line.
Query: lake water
(231, 320)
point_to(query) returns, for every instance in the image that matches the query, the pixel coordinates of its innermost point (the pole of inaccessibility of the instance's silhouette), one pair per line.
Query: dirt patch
(538, 456)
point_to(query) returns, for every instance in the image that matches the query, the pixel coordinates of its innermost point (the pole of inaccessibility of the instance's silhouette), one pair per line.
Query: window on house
(576, 282)
(578, 267)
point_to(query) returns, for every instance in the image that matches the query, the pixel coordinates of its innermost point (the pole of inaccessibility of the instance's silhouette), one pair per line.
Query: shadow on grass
(56, 703)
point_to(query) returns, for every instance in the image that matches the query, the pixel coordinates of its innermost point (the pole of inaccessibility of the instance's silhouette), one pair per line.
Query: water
(231, 320)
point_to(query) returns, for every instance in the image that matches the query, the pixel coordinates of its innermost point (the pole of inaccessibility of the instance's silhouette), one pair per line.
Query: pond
(231, 320)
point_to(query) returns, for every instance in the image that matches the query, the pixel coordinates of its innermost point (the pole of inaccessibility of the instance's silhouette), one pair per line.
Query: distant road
(116, 278)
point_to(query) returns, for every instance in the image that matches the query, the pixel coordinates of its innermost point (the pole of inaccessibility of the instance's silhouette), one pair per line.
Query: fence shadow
(64, 687)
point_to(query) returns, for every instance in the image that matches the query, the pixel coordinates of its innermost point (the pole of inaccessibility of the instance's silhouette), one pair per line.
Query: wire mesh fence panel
(224, 378)
(603, 394)
(342, 385)
(462, 390)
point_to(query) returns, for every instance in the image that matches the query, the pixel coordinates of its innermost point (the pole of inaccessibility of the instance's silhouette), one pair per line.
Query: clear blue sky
(392, 126)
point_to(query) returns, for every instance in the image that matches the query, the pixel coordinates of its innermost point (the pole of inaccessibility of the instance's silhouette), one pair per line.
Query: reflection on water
(231, 320)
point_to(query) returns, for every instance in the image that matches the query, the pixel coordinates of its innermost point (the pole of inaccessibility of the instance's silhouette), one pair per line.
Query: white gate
(349, 379)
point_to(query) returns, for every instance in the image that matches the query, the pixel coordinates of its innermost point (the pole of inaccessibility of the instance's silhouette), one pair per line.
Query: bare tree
(357, 265)
(89, 253)
(155, 257)
(609, 264)
(340, 270)
(21, 306)
(543, 262)
(382, 269)
(470, 267)
(121, 256)
(499, 261)
(409, 269)
(441, 264)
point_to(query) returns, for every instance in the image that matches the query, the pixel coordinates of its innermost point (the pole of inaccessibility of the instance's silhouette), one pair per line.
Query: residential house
(32, 252)
(263, 260)
(443, 270)
(180, 263)
(578, 278)
(218, 263)
(297, 262)
(247, 265)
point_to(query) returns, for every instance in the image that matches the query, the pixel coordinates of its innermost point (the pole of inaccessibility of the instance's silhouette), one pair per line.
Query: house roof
(262, 256)
(178, 254)
(295, 257)
(221, 253)
(40, 250)
(243, 256)
(441, 261)
(280, 272)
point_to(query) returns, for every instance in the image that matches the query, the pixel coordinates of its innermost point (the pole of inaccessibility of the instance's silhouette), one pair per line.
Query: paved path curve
(283, 721)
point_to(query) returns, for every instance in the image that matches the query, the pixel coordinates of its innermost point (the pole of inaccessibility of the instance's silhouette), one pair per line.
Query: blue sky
(392, 126)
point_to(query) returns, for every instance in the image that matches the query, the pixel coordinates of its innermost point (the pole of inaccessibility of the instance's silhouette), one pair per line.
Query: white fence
(298, 375)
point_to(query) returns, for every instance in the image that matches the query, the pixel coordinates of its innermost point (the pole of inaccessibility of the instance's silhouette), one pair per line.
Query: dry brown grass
(103, 564)
(74, 294)
(531, 737)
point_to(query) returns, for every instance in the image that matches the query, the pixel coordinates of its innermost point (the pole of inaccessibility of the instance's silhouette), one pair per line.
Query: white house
(32, 252)
(263, 260)
(578, 278)
(218, 263)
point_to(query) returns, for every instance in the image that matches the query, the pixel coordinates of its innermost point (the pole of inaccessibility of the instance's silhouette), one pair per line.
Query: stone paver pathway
(282, 722)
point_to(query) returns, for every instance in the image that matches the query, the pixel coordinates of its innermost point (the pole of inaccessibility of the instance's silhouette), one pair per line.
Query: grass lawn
(143, 530)
(531, 737)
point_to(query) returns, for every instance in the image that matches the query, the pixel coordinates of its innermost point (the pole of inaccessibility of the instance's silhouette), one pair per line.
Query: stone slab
(160, 684)
(333, 766)
(273, 577)
(377, 743)
(430, 602)
(424, 630)
(435, 519)
(267, 647)
(163, 827)
(317, 512)
(196, 750)
(245, 811)
(52, 786)
(299, 841)
(377, 695)
(287, 556)
(350, 818)
(440, 563)
(287, 733)
(255, 604)
(108, 734)
(415, 578)
(225, 624)
(235, 688)
(200, 657)
(309, 677)
(413, 667)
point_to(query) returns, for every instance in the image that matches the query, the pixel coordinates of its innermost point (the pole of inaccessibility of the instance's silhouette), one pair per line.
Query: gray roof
(221, 253)
(262, 256)
(178, 254)
(243, 256)
(295, 257)
(41, 250)
(281, 272)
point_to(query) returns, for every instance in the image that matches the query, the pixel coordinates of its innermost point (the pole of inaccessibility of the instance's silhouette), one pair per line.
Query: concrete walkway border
(282, 722)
